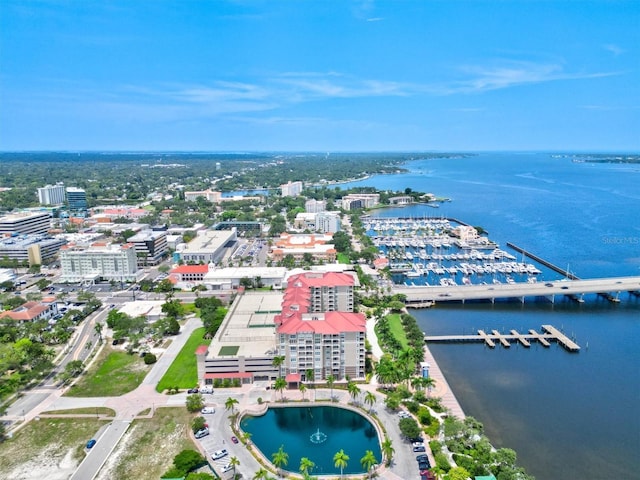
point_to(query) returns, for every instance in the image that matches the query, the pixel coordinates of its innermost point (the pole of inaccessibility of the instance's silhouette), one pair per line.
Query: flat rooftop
(249, 329)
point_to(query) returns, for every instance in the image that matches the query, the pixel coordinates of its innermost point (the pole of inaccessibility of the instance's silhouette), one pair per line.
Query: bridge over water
(610, 288)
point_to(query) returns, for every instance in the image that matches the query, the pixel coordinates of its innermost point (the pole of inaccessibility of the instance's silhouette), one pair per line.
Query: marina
(550, 334)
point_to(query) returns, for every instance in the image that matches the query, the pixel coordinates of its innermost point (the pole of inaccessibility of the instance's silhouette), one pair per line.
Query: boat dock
(550, 334)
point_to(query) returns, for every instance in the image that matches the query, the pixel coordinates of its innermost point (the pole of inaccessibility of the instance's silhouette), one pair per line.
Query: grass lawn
(148, 448)
(183, 372)
(83, 411)
(50, 445)
(397, 329)
(343, 258)
(114, 373)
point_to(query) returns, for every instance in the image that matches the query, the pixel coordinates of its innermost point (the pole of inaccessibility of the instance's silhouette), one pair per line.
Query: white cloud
(614, 49)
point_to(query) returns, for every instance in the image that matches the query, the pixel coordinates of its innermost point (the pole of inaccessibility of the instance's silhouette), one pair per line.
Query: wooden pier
(550, 334)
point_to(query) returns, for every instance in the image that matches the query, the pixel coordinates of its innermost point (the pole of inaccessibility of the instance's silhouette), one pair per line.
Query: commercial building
(51, 194)
(208, 194)
(230, 278)
(327, 222)
(208, 246)
(318, 331)
(33, 311)
(25, 223)
(98, 261)
(33, 249)
(298, 246)
(356, 201)
(151, 246)
(291, 189)
(77, 200)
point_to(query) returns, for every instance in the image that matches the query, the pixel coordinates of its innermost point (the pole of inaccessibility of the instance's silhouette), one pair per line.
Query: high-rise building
(291, 189)
(51, 194)
(151, 246)
(327, 222)
(318, 331)
(315, 206)
(77, 200)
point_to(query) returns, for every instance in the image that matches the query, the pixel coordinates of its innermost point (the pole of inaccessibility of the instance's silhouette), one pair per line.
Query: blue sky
(339, 75)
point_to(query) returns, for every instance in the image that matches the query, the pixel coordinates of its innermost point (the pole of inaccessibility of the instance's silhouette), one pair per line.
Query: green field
(114, 373)
(183, 372)
(397, 329)
(343, 258)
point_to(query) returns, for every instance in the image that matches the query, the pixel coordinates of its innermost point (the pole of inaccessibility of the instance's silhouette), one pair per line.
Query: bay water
(566, 415)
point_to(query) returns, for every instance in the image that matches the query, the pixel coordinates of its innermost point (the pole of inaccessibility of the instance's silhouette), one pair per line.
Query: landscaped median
(183, 372)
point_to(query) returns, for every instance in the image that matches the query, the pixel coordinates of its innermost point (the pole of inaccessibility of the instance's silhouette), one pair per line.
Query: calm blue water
(293, 428)
(566, 415)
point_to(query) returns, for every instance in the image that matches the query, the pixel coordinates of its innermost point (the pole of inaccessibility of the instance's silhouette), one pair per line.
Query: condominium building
(327, 222)
(98, 261)
(208, 194)
(318, 331)
(51, 194)
(291, 189)
(25, 223)
(151, 246)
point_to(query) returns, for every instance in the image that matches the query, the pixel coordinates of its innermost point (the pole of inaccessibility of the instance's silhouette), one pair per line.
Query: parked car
(207, 410)
(419, 448)
(219, 454)
(192, 390)
(422, 466)
(234, 439)
(203, 432)
(206, 389)
(227, 468)
(91, 443)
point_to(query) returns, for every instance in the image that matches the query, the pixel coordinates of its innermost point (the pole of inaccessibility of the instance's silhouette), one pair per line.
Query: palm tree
(354, 390)
(234, 462)
(277, 362)
(370, 398)
(340, 461)
(230, 404)
(261, 474)
(388, 450)
(305, 466)
(98, 328)
(368, 461)
(303, 388)
(279, 386)
(246, 436)
(330, 381)
(280, 458)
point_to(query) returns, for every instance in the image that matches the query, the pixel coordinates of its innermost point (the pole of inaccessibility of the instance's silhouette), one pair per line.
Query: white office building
(315, 206)
(327, 222)
(25, 223)
(99, 261)
(291, 189)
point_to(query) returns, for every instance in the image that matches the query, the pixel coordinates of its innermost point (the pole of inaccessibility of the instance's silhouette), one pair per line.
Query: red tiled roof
(330, 279)
(182, 269)
(332, 323)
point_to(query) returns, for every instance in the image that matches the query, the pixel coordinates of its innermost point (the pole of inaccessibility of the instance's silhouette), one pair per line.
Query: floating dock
(549, 334)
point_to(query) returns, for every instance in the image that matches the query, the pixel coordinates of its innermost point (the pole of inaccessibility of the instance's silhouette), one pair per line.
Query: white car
(203, 432)
(219, 454)
(207, 410)
(227, 468)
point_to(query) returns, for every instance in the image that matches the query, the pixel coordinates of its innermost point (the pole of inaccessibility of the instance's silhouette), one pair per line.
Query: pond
(314, 432)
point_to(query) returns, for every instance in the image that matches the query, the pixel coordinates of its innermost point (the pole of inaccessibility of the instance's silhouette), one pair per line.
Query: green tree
(409, 427)
(354, 390)
(340, 460)
(230, 404)
(280, 458)
(387, 450)
(195, 402)
(370, 399)
(187, 460)
(279, 385)
(306, 466)
(303, 388)
(368, 461)
(330, 381)
(261, 474)
(198, 423)
(277, 362)
(98, 327)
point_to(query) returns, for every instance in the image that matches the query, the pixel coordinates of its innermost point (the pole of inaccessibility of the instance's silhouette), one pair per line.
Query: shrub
(412, 406)
(425, 416)
(435, 446)
(442, 462)
(187, 460)
(198, 424)
(195, 402)
(149, 358)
